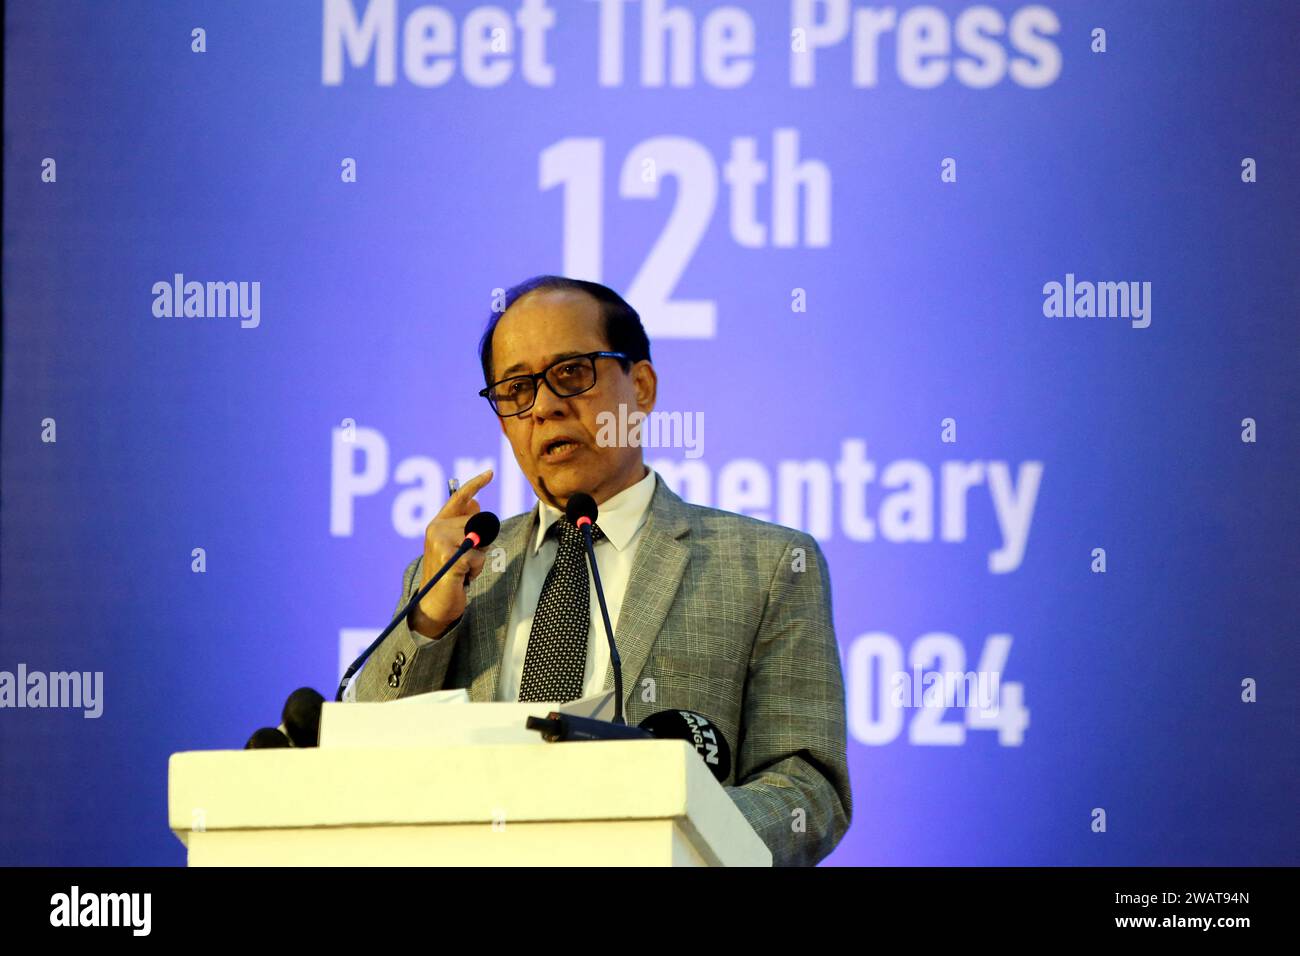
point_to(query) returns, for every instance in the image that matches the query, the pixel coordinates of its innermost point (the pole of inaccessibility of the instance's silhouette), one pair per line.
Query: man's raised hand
(445, 603)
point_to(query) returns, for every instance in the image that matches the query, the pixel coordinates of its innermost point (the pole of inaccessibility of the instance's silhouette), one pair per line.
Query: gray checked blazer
(730, 617)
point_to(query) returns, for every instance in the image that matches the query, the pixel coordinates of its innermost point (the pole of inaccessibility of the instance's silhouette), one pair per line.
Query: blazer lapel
(657, 571)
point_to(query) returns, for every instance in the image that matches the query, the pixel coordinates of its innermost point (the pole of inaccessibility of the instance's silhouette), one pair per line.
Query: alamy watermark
(1085, 299)
(944, 689)
(130, 910)
(208, 300)
(82, 690)
(653, 430)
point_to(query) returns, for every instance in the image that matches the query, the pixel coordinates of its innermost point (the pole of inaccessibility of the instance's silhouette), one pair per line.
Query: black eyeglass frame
(537, 377)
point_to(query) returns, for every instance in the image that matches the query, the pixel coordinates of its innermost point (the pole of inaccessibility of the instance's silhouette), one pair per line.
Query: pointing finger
(458, 504)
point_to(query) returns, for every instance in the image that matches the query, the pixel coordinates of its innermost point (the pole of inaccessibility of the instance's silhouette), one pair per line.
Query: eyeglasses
(565, 377)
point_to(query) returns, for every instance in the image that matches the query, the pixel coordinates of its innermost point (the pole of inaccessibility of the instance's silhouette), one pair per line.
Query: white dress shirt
(621, 519)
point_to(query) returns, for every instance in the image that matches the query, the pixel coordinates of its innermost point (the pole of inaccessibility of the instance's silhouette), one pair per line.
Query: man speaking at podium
(712, 612)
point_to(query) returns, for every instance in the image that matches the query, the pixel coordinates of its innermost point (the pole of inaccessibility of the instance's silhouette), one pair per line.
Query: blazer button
(392, 680)
(401, 658)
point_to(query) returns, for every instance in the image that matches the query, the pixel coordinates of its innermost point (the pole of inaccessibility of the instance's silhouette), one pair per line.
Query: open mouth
(559, 449)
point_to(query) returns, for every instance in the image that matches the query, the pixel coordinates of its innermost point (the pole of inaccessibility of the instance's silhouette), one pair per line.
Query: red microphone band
(473, 536)
(581, 521)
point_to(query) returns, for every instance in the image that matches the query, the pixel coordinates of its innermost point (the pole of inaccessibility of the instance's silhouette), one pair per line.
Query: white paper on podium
(426, 720)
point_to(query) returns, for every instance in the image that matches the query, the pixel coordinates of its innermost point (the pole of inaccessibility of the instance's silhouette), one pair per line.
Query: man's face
(535, 331)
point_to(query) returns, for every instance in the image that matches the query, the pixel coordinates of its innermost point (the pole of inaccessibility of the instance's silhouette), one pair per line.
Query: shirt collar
(620, 517)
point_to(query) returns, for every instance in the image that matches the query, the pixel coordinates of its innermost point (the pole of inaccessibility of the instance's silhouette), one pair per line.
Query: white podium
(596, 803)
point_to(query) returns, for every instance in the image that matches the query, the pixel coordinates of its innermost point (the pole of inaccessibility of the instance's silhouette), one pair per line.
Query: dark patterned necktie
(557, 644)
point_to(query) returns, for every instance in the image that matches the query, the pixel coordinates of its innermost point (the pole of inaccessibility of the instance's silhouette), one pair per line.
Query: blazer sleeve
(410, 660)
(792, 765)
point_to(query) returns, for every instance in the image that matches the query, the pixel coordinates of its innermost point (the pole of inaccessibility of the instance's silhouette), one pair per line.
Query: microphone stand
(471, 541)
(615, 661)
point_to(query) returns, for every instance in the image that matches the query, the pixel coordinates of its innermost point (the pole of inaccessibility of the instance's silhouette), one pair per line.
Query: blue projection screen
(998, 301)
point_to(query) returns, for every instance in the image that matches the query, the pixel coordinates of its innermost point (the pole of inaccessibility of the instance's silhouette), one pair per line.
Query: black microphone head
(697, 729)
(581, 505)
(485, 525)
(264, 738)
(302, 717)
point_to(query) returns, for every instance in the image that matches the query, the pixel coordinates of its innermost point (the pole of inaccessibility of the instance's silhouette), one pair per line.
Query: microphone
(557, 727)
(264, 738)
(581, 510)
(699, 730)
(301, 717)
(299, 723)
(688, 725)
(480, 531)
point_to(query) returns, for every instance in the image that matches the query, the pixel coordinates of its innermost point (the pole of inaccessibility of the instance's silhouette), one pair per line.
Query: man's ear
(645, 383)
